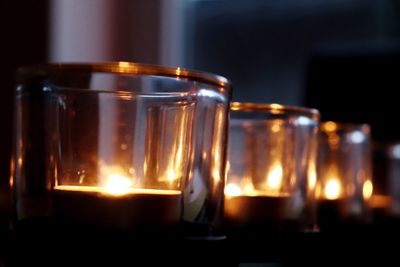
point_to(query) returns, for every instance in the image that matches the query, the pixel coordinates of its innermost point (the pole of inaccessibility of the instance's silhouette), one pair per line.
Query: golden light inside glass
(333, 189)
(380, 201)
(343, 174)
(274, 178)
(340, 145)
(264, 164)
(125, 144)
(329, 126)
(367, 189)
(116, 204)
(232, 190)
(312, 177)
(115, 184)
(112, 192)
(271, 187)
(246, 204)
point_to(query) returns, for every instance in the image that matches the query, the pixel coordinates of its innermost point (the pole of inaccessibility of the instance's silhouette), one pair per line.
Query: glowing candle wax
(117, 205)
(245, 206)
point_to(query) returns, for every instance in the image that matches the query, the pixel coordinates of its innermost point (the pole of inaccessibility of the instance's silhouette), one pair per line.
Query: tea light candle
(380, 207)
(331, 203)
(256, 209)
(117, 205)
(246, 206)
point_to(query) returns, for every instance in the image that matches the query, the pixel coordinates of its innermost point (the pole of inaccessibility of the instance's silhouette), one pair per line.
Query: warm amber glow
(318, 190)
(248, 187)
(171, 167)
(216, 168)
(215, 175)
(123, 64)
(276, 127)
(367, 189)
(228, 166)
(179, 158)
(114, 182)
(171, 176)
(274, 178)
(329, 126)
(117, 185)
(333, 139)
(380, 201)
(217, 160)
(276, 106)
(333, 189)
(232, 190)
(312, 177)
(20, 161)
(130, 190)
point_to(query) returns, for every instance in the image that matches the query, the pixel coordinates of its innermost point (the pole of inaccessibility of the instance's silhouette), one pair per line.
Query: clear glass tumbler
(120, 146)
(271, 167)
(344, 175)
(385, 200)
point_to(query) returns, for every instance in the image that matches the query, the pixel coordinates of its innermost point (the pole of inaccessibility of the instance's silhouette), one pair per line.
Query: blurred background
(340, 56)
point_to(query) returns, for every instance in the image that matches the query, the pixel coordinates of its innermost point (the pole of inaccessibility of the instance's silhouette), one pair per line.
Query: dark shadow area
(23, 27)
(358, 83)
(24, 34)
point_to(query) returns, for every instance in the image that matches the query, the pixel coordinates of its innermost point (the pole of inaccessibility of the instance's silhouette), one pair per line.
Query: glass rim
(178, 95)
(274, 108)
(129, 68)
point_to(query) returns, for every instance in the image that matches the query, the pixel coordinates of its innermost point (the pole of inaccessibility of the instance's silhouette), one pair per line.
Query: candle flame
(367, 189)
(274, 179)
(171, 176)
(333, 189)
(101, 189)
(248, 187)
(232, 190)
(113, 180)
(117, 185)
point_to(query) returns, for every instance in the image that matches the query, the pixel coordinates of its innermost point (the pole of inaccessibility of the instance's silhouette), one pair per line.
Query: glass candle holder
(344, 175)
(120, 146)
(385, 200)
(271, 167)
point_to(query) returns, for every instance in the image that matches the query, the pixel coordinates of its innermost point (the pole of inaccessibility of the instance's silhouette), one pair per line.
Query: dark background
(341, 57)
(265, 47)
(23, 29)
(358, 85)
